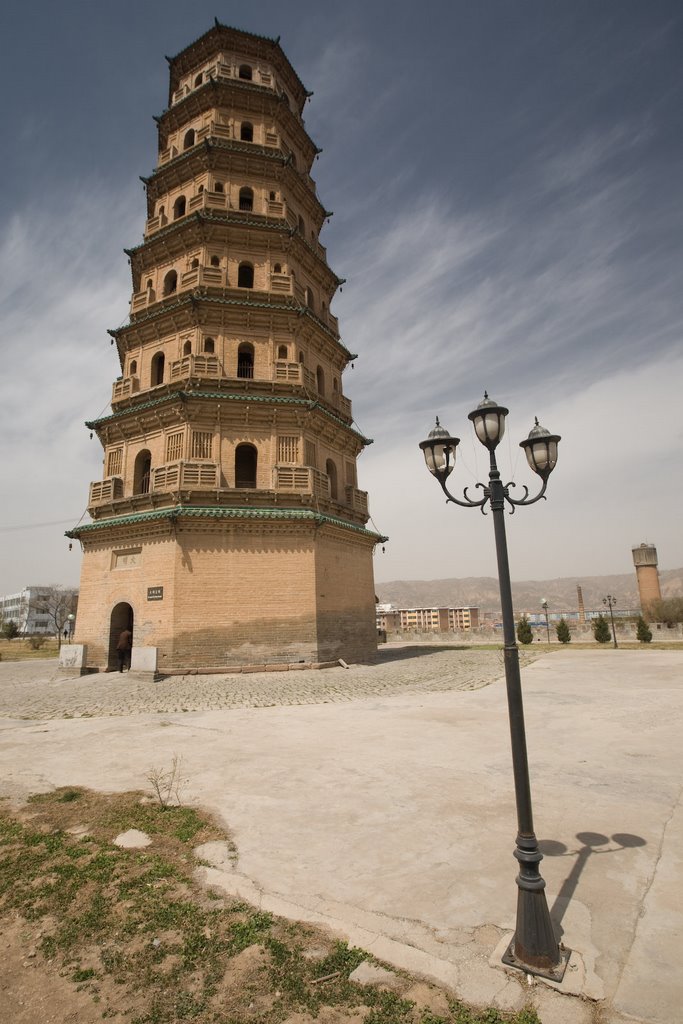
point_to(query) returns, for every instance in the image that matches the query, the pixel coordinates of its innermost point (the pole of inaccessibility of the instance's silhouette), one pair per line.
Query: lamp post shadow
(590, 841)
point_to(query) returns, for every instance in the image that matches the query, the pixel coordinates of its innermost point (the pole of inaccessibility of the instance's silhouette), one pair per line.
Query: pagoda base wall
(220, 595)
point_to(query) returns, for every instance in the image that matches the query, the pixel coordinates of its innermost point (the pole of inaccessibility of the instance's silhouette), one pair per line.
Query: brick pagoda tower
(228, 528)
(645, 562)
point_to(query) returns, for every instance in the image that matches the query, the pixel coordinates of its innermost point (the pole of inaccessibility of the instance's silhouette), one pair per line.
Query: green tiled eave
(266, 223)
(200, 512)
(224, 397)
(193, 297)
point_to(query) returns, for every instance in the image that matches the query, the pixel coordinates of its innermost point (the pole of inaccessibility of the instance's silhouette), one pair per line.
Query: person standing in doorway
(123, 649)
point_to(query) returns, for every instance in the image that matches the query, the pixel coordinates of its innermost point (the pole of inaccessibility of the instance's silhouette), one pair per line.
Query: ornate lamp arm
(523, 500)
(467, 503)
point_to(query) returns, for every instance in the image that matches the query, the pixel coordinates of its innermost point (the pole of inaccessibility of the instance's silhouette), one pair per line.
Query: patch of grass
(69, 795)
(20, 649)
(134, 931)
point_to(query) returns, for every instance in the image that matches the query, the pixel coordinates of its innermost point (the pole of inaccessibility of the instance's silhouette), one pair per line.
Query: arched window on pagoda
(302, 226)
(188, 141)
(310, 301)
(215, 261)
(198, 80)
(246, 198)
(320, 381)
(133, 369)
(179, 207)
(171, 282)
(245, 72)
(246, 131)
(245, 276)
(218, 187)
(282, 352)
(158, 363)
(245, 360)
(187, 348)
(142, 472)
(246, 464)
(331, 470)
(209, 346)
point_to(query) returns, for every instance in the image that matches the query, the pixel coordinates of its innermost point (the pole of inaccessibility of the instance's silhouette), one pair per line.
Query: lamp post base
(554, 973)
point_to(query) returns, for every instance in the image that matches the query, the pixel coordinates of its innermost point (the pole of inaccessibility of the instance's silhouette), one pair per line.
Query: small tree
(10, 629)
(643, 631)
(56, 603)
(524, 634)
(562, 630)
(601, 630)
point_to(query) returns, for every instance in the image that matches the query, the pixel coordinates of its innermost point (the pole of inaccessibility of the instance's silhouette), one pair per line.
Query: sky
(506, 182)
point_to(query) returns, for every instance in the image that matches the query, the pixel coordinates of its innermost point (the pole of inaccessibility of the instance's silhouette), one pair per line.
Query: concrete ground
(378, 800)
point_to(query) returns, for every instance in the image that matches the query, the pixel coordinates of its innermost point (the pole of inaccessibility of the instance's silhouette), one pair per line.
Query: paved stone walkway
(37, 690)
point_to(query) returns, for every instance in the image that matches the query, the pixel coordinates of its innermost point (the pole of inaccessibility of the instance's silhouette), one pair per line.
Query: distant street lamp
(611, 603)
(71, 618)
(544, 606)
(534, 947)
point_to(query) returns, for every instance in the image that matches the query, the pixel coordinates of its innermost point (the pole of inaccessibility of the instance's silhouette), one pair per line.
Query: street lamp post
(71, 619)
(611, 602)
(534, 947)
(544, 606)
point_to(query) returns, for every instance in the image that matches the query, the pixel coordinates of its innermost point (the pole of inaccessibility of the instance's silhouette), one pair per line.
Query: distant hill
(482, 592)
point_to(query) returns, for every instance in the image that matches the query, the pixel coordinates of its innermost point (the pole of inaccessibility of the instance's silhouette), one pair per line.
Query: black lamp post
(534, 947)
(611, 602)
(544, 606)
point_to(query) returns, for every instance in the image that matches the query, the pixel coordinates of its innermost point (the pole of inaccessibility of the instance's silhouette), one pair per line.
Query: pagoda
(228, 529)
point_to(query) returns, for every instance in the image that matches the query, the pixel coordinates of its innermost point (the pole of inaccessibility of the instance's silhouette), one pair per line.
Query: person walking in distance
(123, 649)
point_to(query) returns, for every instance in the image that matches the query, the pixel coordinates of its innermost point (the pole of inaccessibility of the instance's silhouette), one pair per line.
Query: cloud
(65, 280)
(448, 301)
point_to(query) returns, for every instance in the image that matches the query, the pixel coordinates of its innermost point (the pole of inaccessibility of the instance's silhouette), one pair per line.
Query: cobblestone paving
(37, 690)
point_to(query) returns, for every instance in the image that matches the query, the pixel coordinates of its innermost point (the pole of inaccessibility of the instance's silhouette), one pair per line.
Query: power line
(37, 526)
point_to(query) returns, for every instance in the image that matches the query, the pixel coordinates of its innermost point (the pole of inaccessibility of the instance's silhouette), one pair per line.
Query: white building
(24, 609)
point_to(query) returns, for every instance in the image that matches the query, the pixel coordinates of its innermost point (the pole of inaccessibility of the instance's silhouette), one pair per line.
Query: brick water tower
(645, 561)
(228, 528)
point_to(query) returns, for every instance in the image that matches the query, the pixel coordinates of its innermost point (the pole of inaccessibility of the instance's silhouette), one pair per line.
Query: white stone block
(73, 656)
(143, 659)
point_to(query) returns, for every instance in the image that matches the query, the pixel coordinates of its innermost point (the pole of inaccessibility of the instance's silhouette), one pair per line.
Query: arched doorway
(121, 618)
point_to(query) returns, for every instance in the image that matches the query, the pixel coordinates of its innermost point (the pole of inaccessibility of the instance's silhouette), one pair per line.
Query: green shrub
(562, 630)
(643, 631)
(601, 630)
(524, 634)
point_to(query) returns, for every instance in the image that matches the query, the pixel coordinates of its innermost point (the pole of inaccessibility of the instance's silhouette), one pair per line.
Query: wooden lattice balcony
(357, 500)
(195, 366)
(181, 476)
(302, 480)
(124, 387)
(102, 492)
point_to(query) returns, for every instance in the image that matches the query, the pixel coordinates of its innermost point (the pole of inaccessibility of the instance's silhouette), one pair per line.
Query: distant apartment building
(424, 620)
(24, 610)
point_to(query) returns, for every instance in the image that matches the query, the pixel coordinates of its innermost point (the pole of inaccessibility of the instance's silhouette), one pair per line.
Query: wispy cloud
(64, 281)
(447, 302)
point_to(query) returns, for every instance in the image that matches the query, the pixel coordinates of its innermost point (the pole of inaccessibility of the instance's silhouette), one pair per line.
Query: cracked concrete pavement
(378, 801)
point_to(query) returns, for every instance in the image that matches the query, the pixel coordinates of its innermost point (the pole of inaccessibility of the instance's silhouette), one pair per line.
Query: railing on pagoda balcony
(182, 475)
(102, 492)
(124, 387)
(357, 500)
(195, 366)
(197, 277)
(302, 480)
(207, 200)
